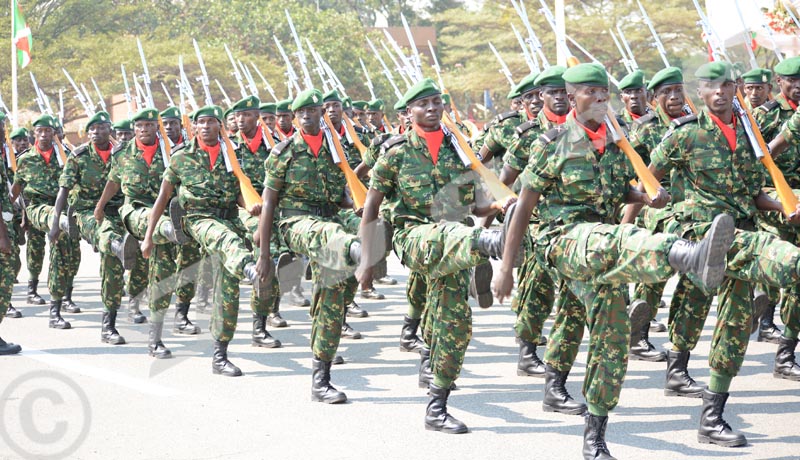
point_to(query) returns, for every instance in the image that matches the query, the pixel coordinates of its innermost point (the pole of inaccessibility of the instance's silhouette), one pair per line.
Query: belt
(220, 213)
(112, 211)
(320, 211)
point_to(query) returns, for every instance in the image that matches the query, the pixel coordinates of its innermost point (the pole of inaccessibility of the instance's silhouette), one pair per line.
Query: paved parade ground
(67, 395)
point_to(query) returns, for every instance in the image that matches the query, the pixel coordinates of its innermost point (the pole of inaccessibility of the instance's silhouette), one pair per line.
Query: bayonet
(386, 71)
(631, 57)
(267, 86)
(203, 78)
(146, 76)
(624, 59)
(503, 67)
(532, 40)
(166, 92)
(291, 75)
(301, 55)
(225, 97)
(79, 95)
(251, 84)
(369, 80)
(415, 59)
(397, 67)
(236, 74)
(101, 101)
(657, 41)
(532, 64)
(747, 37)
(128, 99)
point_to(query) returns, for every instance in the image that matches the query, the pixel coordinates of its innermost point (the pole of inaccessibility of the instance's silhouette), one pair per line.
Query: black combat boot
(679, 382)
(68, 224)
(639, 315)
(13, 312)
(529, 364)
(276, 320)
(134, 314)
(155, 346)
(321, 388)
(713, 428)
(56, 321)
(109, 333)
(594, 438)
(409, 340)
(706, 258)
(354, 310)
(219, 361)
(436, 416)
(355, 253)
(262, 337)
(349, 333)
(556, 397)
(33, 296)
(643, 350)
(8, 348)
(785, 363)
(173, 228)
(425, 373)
(767, 330)
(296, 297)
(480, 284)
(182, 324)
(126, 250)
(656, 326)
(67, 304)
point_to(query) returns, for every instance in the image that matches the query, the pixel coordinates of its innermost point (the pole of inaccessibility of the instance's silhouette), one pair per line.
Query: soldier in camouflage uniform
(304, 190)
(82, 181)
(283, 113)
(7, 151)
(431, 190)
(252, 151)
(123, 131)
(36, 178)
(7, 241)
(757, 87)
(585, 179)
(208, 191)
(360, 113)
(710, 156)
(375, 117)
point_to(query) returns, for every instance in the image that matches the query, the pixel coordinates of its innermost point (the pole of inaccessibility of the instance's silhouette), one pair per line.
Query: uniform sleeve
(384, 174)
(70, 175)
(23, 171)
(538, 175)
(115, 172)
(667, 153)
(275, 167)
(173, 172)
(517, 155)
(791, 130)
(495, 138)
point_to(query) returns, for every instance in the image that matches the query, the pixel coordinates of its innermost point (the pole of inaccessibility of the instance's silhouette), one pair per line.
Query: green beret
(361, 105)
(737, 69)
(171, 112)
(525, 85)
(146, 115)
(668, 76)
(123, 125)
(551, 76)
(248, 103)
(58, 123)
(589, 74)
(788, 67)
(226, 113)
(757, 76)
(284, 106)
(209, 111)
(445, 99)
(308, 98)
(19, 132)
(634, 79)
(399, 105)
(376, 105)
(99, 117)
(268, 107)
(714, 71)
(423, 88)
(46, 121)
(332, 96)
(347, 103)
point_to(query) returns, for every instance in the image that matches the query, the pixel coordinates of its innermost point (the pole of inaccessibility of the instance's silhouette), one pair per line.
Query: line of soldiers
(574, 234)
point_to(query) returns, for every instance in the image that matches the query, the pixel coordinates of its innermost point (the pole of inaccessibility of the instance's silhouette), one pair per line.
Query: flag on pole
(21, 36)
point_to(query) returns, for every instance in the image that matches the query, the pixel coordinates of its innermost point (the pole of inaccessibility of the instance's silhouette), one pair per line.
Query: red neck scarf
(598, 137)
(433, 140)
(728, 131)
(148, 151)
(287, 135)
(104, 154)
(254, 143)
(211, 150)
(557, 119)
(633, 115)
(47, 155)
(315, 142)
(792, 104)
(341, 131)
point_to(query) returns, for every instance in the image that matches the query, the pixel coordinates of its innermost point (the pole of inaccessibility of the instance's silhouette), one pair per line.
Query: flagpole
(13, 68)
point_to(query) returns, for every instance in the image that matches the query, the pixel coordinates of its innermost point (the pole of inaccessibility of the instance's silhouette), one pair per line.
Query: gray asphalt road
(70, 396)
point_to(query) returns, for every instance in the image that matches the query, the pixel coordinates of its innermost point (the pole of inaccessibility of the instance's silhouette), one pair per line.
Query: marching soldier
(374, 113)
(757, 87)
(634, 96)
(360, 113)
(268, 115)
(7, 240)
(285, 118)
(15, 235)
(123, 131)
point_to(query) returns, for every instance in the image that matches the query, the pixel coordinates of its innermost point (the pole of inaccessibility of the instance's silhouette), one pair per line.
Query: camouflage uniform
(6, 260)
(310, 189)
(582, 193)
(716, 180)
(85, 176)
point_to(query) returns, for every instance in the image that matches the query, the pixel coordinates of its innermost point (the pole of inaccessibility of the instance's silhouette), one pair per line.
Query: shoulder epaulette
(769, 105)
(649, 116)
(360, 129)
(80, 149)
(506, 115)
(178, 148)
(552, 134)
(683, 120)
(281, 146)
(528, 125)
(392, 141)
(378, 140)
(119, 147)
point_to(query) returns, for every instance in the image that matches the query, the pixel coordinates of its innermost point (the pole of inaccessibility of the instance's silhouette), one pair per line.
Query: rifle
(291, 75)
(532, 40)
(357, 189)
(716, 46)
(592, 58)
(404, 67)
(631, 57)
(141, 98)
(166, 92)
(236, 74)
(624, 60)
(301, 55)
(79, 95)
(436, 66)
(128, 99)
(101, 100)
(225, 97)
(251, 84)
(267, 86)
(352, 136)
(249, 194)
(369, 80)
(203, 78)
(656, 41)
(327, 82)
(414, 57)
(146, 76)
(39, 100)
(532, 64)
(747, 37)
(332, 75)
(184, 87)
(386, 71)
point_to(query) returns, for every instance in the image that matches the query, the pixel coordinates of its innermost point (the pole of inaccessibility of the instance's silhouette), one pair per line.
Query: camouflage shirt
(374, 150)
(713, 178)
(200, 188)
(518, 152)
(770, 117)
(252, 163)
(501, 134)
(139, 181)
(39, 179)
(423, 192)
(85, 176)
(303, 181)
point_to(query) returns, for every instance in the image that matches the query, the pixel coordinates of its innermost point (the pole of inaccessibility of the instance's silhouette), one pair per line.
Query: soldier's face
(635, 100)
(124, 136)
(427, 112)
(247, 121)
(590, 102)
(309, 117)
(757, 93)
(516, 104)
(555, 99)
(532, 101)
(375, 118)
(173, 128)
(334, 110)
(717, 96)
(671, 99)
(230, 123)
(361, 116)
(285, 121)
(21, 144)
(790, 87)
(349, 112)
(99, 133)
(44, 136)
(145, 131)
(208, 130)
(269, 119)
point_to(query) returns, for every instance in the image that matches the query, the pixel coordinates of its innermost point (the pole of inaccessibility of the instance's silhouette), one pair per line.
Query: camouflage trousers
(656, 220)
(417, 294)
(775, 223)
(18, 241)
(222, 240)
(443, 254)
(34, 252)
(100, 237)
(7, 274)
(535, 296)
(270, 303)
(596, 262)
(327, 244)
(63, 253)
(754, 257)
